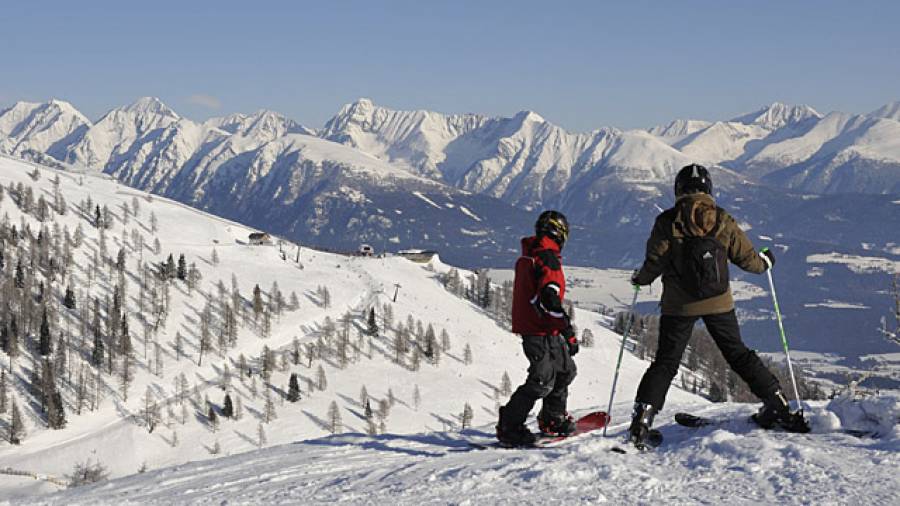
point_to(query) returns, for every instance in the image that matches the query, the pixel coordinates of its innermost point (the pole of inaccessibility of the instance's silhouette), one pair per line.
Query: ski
(694, 421)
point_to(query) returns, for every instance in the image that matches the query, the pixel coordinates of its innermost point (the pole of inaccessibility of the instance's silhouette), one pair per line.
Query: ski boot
(556, 425)
(511, 434)
(775, 412)
(641, 420)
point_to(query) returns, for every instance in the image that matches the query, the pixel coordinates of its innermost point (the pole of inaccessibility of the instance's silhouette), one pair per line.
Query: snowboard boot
(556, 425)
(775, 412)
(641, 420)
(513, 434)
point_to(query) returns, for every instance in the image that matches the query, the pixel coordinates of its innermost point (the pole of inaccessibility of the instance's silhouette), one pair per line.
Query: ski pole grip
(765, 257)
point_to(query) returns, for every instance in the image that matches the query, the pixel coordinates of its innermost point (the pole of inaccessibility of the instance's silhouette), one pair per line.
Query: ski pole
(784, 342)
(621, 351)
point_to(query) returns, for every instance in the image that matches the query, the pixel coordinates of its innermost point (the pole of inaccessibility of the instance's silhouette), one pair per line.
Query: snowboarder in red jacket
(547, 335)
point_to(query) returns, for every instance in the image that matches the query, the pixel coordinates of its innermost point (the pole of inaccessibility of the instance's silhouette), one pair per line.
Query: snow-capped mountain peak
(888, 111)
(530, 116)
(266, 124)
(679, 128)
(778, 115)
(31, 129)
(150, 105)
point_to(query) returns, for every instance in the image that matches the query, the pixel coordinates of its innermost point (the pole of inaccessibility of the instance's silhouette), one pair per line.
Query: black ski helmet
(554, 225)
(693, 178)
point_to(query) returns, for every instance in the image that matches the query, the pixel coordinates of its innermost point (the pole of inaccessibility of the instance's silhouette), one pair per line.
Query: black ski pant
(550, 371)
(674, 334)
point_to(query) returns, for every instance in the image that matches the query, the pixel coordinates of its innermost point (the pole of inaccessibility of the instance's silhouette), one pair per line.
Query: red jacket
(539, 289)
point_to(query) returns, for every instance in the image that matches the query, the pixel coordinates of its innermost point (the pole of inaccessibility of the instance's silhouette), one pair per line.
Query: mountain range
(354, 179)
(469, 185)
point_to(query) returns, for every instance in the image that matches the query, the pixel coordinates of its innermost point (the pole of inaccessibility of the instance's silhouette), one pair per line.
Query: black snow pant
(674, 334)
(550, 371)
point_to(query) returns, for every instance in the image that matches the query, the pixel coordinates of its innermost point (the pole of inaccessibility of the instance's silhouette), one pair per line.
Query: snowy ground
(114, 434)
(731, 464)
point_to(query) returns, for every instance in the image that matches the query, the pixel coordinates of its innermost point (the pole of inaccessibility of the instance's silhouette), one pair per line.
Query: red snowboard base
(587, 423)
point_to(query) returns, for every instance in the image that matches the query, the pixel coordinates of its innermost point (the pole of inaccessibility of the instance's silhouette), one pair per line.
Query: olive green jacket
(694, 214)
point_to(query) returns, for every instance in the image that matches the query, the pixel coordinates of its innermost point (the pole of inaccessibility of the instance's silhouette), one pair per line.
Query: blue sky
(582, 65)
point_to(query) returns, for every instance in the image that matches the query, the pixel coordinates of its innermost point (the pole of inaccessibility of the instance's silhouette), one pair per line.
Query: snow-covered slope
(842, 153)
(49, 127)
(115, 433)
(730, 142)
(729, 464)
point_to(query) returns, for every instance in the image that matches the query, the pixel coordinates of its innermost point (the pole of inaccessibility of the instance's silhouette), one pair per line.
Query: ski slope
(114, 434)
(731, 464)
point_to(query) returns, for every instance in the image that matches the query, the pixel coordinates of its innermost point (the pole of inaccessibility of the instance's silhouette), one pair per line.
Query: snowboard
(694, 421)
(587, 423)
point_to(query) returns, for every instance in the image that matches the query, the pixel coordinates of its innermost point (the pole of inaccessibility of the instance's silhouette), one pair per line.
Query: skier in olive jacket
(690, 247)
(547, 336)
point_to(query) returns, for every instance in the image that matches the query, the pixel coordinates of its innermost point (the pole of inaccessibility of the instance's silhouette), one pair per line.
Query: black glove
(768, 257)
(568, 334)
(634, 278)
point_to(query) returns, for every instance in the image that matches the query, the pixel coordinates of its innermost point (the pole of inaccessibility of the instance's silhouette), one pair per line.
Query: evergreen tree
(368, 409)
(505, 384)
(261, 435)
(69, 299)
(293, 389)
(3, 395)
(238, 408)
(56, 413)
(334, 418)
(467, 416)
(270, 413)
(181, 272)
(16, 426)
(170, 270)
(445, 341)
(363, 396)
(19, 278)
(295, 351)
(97, 353)
(151, 410)
(467, 354)
(120, 260)
(372, 329)
(321, 380)
(257, 302)
(45, 347)
(4, 336)
(212, 417)
(227, 407)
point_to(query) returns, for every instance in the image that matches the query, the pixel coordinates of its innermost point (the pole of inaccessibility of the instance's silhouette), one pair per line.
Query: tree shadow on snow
(316, 420)
(246, 438)
(383, 442)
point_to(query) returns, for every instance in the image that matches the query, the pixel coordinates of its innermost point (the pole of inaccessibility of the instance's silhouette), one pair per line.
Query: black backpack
(704, 269)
